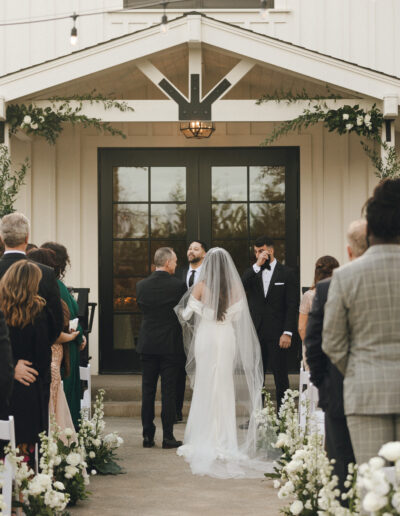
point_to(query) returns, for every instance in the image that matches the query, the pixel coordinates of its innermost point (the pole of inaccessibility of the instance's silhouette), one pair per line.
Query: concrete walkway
(158, 482)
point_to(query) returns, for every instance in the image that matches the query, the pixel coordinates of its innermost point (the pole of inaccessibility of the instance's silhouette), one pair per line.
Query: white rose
(360, 120)
(373, 502)
(277, 484)
(120, 440)
(70, 471)
(27, 119)
(34, 126)
(53, 448)
(68, 432)
(345, 116)
(97, 442)
(390, 451)
(59, 485)
(349, 126)
(93, 472)
(294, 466)
(376, 463)
(74, 458)
(396, 501)
(92, 455)
(57, 460)
(41, 119)
(300, 454)
(367, 119)
(296, 507)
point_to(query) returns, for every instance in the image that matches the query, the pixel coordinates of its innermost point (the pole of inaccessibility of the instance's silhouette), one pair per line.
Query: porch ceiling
(278, 65)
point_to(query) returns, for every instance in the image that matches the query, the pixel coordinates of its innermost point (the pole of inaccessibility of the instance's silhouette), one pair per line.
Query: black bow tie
(265, 265)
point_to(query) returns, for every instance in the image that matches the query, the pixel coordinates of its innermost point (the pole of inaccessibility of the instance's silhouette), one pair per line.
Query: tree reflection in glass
(168, 184)
(229, 183)
(130, 259)
(130, 184)
(130, 220)
(229, 220)
(267, 219)
(267, 183)
(168, 220)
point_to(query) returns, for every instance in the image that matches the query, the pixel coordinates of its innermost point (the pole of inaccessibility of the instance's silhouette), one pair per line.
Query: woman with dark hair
(361, 332)
(58, 406)
(23, 311)
(324, 268)
(72, 387)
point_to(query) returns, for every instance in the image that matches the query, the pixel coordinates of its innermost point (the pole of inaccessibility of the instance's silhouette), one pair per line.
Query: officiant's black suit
(329, 381)
(272, 315)
(181, 273)
(48, 289)
(160, 346)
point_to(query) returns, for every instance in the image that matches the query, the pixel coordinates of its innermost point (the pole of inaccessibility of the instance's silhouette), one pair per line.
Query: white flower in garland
(296, 507)
(27, 120)
(360, 120)
(349, 127)
(346, 116)
(70, 471)
(74, 459)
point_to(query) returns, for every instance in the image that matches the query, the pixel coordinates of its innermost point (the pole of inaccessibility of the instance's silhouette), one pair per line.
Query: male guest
(273, 297)
(324, 374)
(14, 232)
(160, 344)
(361, 333)
(190, 275)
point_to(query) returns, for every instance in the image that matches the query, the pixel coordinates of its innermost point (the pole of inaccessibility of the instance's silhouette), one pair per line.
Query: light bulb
(74, 36)
(164, 24)
(263, 10)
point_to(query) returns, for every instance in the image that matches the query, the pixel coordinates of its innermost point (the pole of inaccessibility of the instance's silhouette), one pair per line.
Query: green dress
(72, 384)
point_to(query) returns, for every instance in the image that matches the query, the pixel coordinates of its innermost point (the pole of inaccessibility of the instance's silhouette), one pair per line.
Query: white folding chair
(7, 433)
(86, 401)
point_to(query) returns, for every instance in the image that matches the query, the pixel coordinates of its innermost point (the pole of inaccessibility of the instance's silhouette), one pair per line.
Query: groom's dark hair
(203, 244)
(263, 240)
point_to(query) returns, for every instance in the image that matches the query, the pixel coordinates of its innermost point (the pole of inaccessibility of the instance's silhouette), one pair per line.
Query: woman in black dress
(27, 324)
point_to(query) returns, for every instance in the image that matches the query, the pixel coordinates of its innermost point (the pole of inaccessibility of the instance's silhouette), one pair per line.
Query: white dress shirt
(196, 275)
(11, 251)
(266, 278)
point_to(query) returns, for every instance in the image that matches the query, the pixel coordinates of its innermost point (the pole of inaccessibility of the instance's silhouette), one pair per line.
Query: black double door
(150, 198)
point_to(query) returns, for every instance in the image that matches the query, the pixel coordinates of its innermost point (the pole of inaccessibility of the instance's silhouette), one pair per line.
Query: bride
(226, 374)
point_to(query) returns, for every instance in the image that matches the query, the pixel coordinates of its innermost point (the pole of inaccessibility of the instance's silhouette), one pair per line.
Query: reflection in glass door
(154, 198)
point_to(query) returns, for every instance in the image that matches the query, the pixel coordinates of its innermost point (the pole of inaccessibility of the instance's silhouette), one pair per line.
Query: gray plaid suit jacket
(361, 332)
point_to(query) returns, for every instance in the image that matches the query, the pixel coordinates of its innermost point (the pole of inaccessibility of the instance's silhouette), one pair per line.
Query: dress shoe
(244, 426)
(148, 442)
(171, 443)
(179, 417)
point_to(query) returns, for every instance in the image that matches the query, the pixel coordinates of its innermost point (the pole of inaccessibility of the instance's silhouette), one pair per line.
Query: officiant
(190, 275)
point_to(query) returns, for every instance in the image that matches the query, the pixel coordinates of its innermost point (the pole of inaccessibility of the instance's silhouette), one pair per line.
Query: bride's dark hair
(223, 298)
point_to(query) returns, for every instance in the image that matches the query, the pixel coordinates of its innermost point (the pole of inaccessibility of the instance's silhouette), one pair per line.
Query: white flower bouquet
(100, 449)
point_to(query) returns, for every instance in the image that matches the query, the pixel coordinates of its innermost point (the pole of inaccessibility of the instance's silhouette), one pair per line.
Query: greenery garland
(48, 122)
(10, 181)
(344, 120)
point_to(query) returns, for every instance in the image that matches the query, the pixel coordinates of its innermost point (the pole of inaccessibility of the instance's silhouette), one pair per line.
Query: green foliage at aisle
(10, 181)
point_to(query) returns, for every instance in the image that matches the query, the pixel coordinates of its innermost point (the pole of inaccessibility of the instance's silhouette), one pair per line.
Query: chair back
(86, 401)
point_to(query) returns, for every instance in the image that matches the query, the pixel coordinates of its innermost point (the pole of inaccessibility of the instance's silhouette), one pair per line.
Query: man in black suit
(14, 232)
(272, 293)
(160, 344)
(6, 368)
(323, 374)
(190, 275)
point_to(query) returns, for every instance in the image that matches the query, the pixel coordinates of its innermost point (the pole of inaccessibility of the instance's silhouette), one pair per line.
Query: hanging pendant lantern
(197, 129)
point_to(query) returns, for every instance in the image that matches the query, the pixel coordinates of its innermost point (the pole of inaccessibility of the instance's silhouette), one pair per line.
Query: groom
(160, 344)
(272, 294)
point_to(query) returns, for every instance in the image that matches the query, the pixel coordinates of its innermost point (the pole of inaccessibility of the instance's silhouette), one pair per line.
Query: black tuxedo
(161, 347)
(272, 315)
(181, 273)
(329, 381)
(6, 368)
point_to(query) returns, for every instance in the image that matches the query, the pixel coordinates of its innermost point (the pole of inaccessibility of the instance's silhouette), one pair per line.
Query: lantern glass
(197, 129)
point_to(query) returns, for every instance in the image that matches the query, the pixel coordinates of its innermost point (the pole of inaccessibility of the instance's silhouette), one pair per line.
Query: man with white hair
(324, 375)
(14, 232)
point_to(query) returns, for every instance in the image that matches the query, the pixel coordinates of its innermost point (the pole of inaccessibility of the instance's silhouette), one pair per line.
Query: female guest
(58, 406)
(72, 387)
(23, 311)
(324, 267)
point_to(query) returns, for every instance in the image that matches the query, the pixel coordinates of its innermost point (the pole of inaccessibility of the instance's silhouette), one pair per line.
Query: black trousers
(180, 388)
(275, 358)
(153, 367)
(338, 446)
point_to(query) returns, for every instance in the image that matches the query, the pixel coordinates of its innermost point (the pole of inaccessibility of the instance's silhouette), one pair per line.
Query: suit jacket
(48, 289)
(6, 368)
(160, 331)
(181, 273)
(323, 373)
(361, 332)
(277, 312)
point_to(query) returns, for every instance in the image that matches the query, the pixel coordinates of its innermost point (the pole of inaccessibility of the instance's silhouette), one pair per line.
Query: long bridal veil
(225, 370)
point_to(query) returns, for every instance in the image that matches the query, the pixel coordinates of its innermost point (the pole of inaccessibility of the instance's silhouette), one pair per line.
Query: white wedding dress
(226, 377)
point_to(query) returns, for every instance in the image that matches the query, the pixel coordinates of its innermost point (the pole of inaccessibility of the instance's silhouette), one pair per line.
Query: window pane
(130, 259)
(239, 251)
(279, 246)
(126, 331)
(229, 220)
(168, 184)
(125, 294)
(267, 183)
(130, 184)
(229, 183)
(267, 219)
(131, 220)
(168, 220)
(178, 246)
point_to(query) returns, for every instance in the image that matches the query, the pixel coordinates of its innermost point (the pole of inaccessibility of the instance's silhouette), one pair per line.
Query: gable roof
(197, 27)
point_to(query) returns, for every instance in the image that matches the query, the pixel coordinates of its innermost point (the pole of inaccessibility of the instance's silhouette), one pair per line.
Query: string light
(164, 19)
(263, 9)
(74, 31)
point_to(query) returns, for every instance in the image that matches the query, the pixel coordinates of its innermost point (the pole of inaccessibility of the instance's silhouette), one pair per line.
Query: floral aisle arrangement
(100, 449)
(65, 460)
(37, 495)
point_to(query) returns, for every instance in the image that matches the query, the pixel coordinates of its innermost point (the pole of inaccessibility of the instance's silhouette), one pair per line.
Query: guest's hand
(83, 343)
(72, 335)
(285, 341)
(262, 258)
(25, 374)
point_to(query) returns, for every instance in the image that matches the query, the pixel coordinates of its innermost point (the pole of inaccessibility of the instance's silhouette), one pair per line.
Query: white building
(112, 201)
